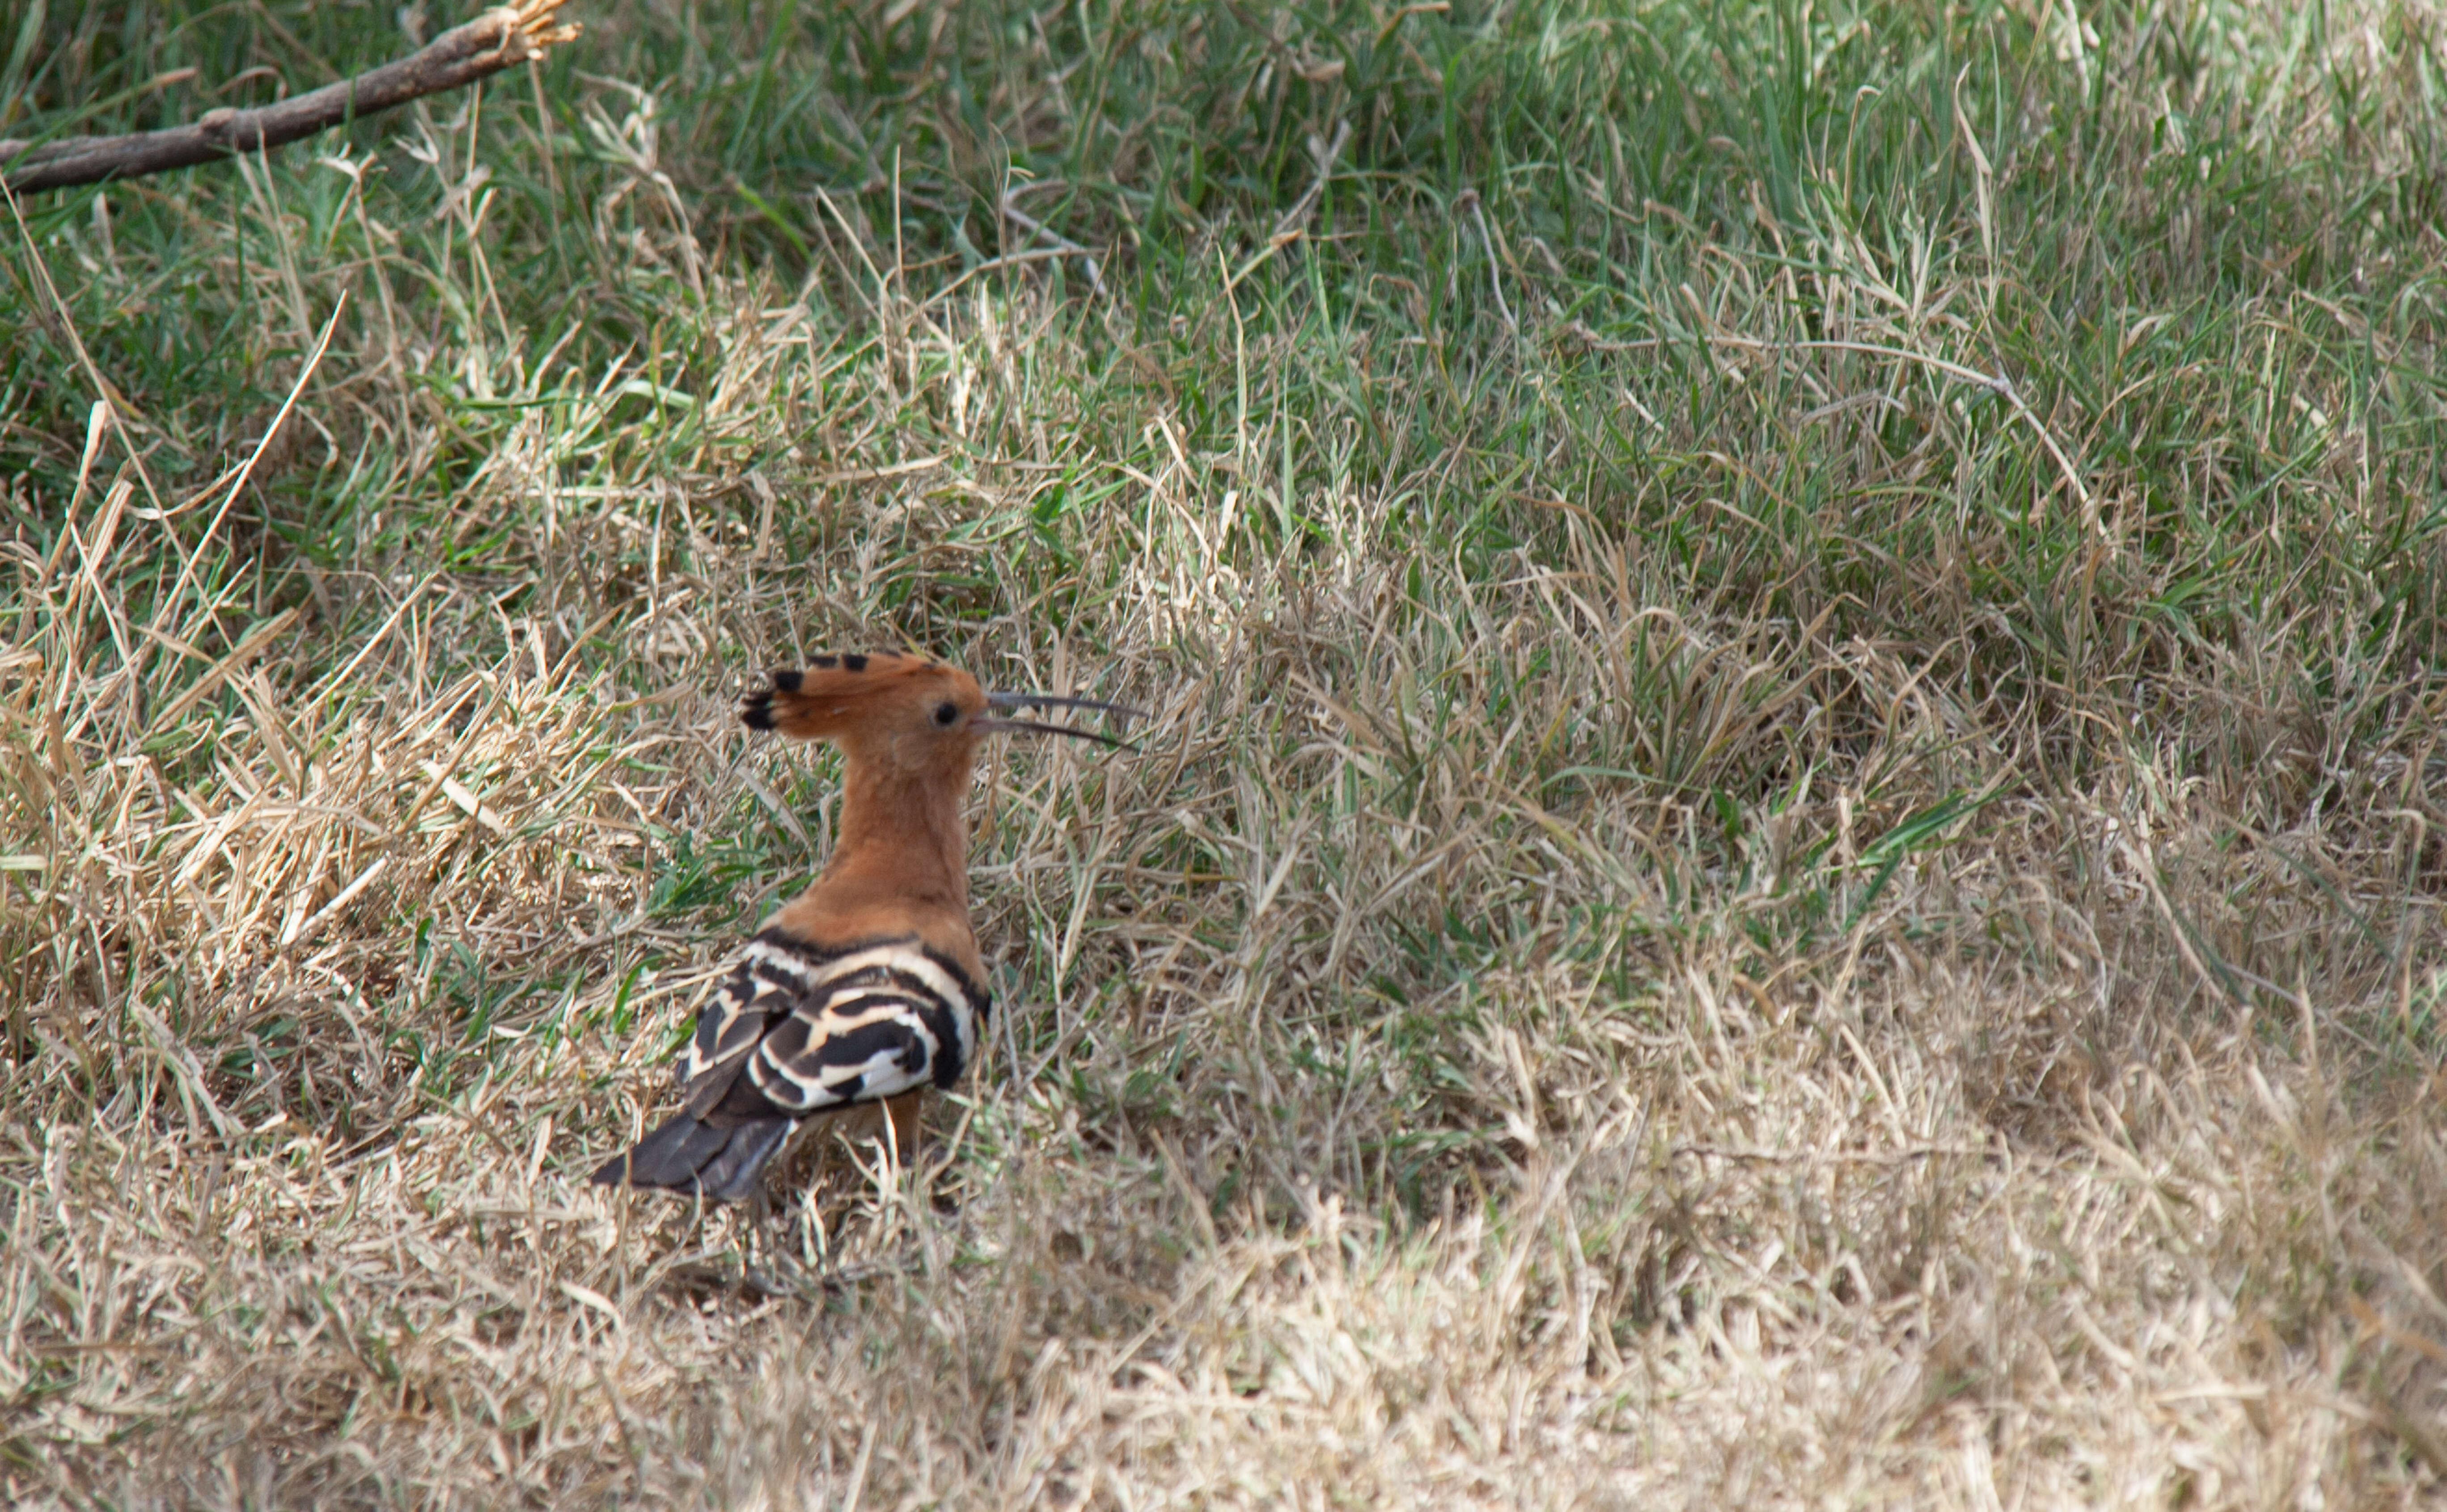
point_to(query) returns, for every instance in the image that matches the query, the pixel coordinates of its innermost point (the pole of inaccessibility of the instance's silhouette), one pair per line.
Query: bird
(868, 988)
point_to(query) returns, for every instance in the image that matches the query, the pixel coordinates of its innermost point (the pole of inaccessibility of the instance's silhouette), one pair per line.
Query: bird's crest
(834, 695)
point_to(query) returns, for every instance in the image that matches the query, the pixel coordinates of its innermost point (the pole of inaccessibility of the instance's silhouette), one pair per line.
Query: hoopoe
(868, 987)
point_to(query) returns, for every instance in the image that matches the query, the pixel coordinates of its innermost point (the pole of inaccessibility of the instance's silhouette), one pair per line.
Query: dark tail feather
(689, 1155)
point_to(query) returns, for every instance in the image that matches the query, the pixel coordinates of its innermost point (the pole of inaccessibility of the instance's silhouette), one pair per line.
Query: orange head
(908, 727)
(911, 713)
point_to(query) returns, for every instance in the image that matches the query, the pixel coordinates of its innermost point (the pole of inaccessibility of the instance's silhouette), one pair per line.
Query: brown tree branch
(498, 38)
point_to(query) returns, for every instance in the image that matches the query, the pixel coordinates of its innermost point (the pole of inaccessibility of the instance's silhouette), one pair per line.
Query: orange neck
(903, 835)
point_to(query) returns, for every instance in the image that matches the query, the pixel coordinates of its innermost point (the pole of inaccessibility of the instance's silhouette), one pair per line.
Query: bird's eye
(946, 712)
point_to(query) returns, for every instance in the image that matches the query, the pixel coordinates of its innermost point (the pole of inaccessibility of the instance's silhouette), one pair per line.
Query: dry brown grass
(1770, 968)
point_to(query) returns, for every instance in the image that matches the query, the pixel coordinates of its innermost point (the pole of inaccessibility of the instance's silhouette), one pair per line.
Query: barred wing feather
(808, 1029)
(795, 1031)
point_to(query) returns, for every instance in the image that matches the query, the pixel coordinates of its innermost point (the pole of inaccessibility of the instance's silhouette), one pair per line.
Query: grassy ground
(1792, 851)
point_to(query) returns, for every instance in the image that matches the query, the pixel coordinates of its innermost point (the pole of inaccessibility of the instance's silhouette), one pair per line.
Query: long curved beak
(1005, 725)
(1055, 701)
(1122, 712)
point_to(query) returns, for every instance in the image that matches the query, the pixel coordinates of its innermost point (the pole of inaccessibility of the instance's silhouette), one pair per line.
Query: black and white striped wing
(797, 1030)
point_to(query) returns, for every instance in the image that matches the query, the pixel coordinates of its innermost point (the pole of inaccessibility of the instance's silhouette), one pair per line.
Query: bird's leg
(772, 1226)
(751, 1278)
(906, 1133)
